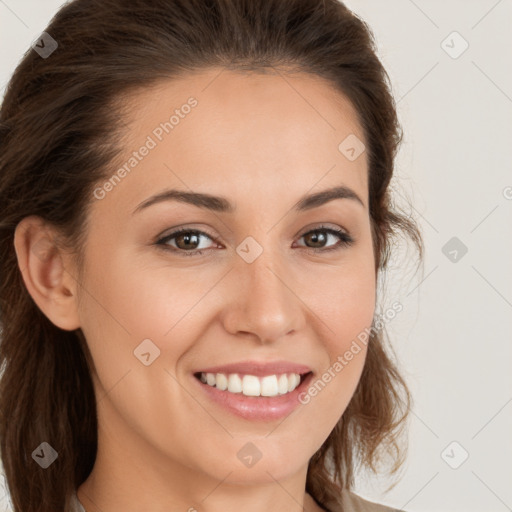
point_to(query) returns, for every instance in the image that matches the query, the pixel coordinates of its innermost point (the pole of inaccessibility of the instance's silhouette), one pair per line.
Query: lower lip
(256, 408)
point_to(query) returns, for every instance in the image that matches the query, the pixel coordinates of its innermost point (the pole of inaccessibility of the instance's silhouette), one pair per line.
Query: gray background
(453, 338)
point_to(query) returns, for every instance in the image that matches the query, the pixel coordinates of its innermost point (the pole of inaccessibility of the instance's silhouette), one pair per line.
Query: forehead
(245, 134)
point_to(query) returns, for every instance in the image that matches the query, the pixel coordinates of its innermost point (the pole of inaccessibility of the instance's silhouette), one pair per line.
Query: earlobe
(44, 272)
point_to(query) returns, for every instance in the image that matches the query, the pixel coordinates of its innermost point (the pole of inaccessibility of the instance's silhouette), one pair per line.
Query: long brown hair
(59, 136)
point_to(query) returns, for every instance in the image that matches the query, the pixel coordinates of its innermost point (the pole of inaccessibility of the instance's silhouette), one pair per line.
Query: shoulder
(351, 502)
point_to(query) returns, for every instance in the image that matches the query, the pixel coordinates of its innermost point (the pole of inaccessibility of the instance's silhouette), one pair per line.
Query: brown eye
(186, 241)
(318, 238)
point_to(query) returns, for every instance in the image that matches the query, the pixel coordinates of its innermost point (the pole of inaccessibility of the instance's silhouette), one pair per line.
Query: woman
(195, 216)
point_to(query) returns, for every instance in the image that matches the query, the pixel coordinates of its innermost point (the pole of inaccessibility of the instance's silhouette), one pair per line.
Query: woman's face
(259, 299)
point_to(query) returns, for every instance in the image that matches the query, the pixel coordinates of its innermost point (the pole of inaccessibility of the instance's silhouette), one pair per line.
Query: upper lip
(257, 368)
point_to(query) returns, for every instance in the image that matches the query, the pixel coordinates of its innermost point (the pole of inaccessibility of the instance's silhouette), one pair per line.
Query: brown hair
(59, 135)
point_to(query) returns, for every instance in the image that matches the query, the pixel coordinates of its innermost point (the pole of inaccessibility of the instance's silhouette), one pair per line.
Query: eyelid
(185, 229)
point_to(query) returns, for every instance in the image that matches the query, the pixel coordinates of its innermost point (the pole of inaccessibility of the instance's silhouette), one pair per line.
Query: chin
(261, 469)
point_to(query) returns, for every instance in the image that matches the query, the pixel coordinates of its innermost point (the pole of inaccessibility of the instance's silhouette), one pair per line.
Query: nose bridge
(265, 304)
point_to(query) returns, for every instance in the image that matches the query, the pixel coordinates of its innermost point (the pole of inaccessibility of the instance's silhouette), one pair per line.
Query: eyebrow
(222, 205)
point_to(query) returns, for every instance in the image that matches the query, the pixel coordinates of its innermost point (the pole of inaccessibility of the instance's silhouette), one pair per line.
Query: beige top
(350, 502)
(76, 506)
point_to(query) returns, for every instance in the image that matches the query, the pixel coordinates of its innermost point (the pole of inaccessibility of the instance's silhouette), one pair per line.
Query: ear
(46, 272)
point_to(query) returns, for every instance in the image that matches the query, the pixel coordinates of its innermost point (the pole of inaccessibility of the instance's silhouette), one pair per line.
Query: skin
(262, 141)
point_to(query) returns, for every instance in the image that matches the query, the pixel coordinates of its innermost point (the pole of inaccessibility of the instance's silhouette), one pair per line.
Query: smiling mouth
(252, 385)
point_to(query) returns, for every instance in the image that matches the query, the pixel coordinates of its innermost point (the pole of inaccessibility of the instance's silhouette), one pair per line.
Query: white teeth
(221, 381)
(250, 385)
(293, 381)
(234, 383)
(269, 386)
(282, 384)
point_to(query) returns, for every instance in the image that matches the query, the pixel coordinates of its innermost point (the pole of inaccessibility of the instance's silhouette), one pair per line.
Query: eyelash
(345, 240)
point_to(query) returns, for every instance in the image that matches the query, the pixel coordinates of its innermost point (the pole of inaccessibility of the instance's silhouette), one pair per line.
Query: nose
(262, 302)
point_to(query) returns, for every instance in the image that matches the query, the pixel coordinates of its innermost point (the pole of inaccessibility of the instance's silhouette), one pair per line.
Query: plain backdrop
(450, 66)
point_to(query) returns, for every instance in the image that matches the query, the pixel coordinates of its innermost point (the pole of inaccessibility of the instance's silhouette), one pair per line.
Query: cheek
(343, 300)
(132, 302)
(351, 310)
(344, 303)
